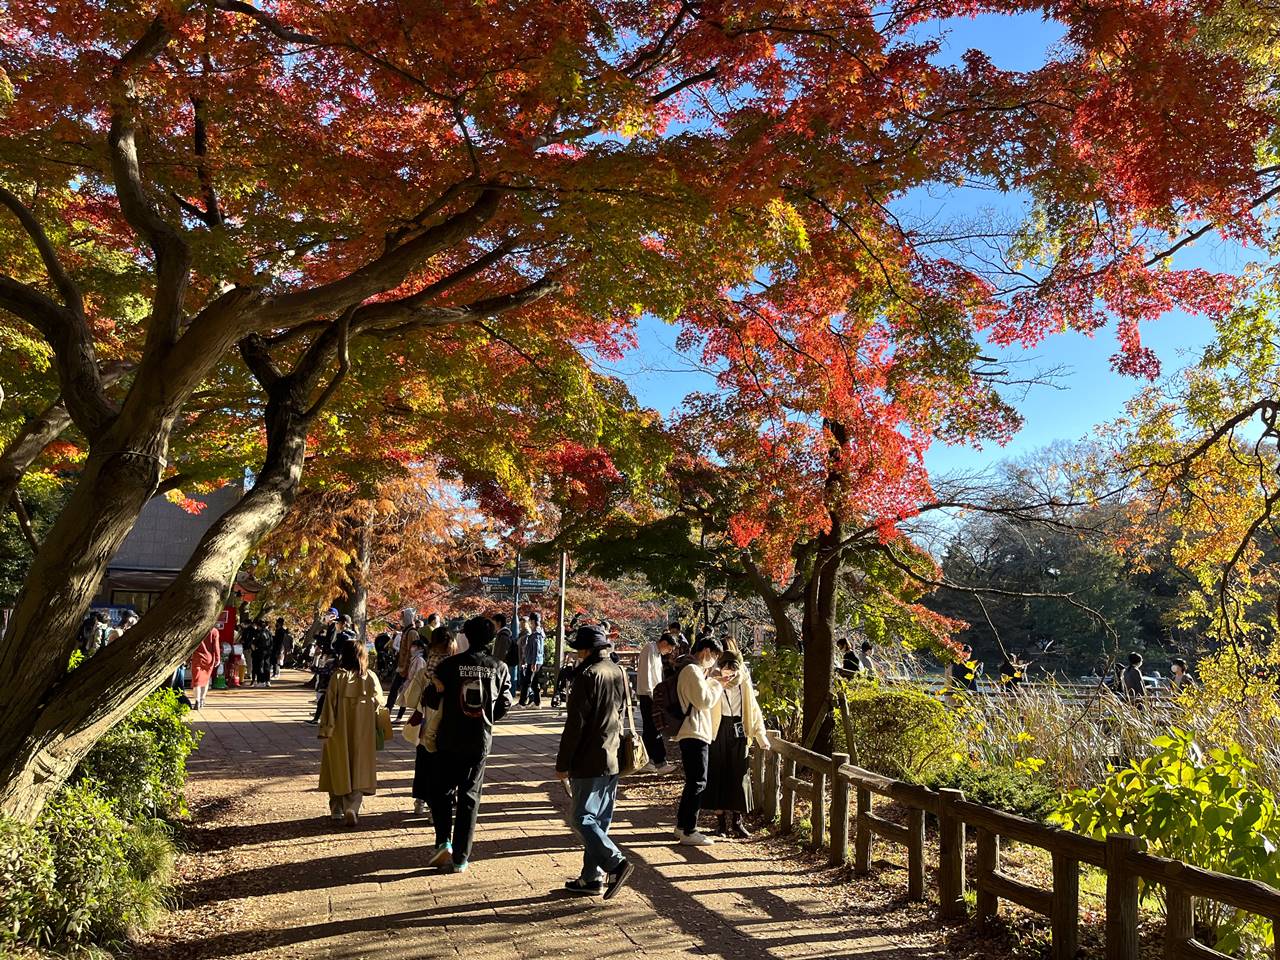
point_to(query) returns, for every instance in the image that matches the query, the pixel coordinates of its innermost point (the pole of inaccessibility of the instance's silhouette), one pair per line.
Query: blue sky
(1087, 394)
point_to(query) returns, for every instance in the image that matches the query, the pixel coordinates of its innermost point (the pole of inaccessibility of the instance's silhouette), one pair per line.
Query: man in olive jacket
(588, 760)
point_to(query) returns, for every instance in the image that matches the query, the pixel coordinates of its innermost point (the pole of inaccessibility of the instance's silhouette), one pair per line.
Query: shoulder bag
(632, 754)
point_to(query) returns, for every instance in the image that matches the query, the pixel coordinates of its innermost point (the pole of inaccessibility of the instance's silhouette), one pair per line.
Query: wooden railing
(785, 770)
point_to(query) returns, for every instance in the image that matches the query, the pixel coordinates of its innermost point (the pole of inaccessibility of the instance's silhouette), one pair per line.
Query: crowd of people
(455, 684)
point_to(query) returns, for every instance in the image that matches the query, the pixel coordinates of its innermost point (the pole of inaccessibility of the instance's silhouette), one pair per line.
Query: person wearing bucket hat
(588, 761)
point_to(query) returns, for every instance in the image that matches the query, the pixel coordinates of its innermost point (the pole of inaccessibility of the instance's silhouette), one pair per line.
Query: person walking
(263, 648)
(510, 649)
(865, 663)
(650, 673)
(473, 692)
(737, 723)
(408, 634)
(348, 727)
(502, 641)
(588, 761)
(203, 664)
(1132, 684)
(439, 646)
(699, 690)
(532, 652)
(281, 647)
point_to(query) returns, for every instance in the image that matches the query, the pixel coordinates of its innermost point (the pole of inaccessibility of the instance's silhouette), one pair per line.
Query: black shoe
(585, 889)
(615, 880)
(312, 722)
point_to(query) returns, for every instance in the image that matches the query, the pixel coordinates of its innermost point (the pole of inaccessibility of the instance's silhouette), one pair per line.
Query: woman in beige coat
(348, 727)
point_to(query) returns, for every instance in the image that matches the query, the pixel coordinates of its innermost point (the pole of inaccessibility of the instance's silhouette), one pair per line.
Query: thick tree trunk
(355, 603)
(819, 626)
(50, 718)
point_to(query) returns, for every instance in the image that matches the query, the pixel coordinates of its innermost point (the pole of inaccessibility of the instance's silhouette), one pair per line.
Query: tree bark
(819, 619)
(47, 726)
(356, 587)
(777, 602)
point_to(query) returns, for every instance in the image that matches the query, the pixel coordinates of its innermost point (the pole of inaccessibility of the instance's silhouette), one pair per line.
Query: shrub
(81, 875)
(27, 882)
(898, 731)
(1015, 791)
(1205, 808)
(141, 765)
(778, 677)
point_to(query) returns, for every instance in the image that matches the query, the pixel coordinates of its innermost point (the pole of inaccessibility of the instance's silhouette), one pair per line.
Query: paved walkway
(269, 876)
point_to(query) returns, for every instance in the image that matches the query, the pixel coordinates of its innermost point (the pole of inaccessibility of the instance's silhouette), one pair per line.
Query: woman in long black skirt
(728, 769)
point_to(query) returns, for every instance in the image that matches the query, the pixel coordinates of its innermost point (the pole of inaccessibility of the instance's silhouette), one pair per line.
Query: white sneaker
(418, 807)
(696, 839)
(677, 833)
(664, 767)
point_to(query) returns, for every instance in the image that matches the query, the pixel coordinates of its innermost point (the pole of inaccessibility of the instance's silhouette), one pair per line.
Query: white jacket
(699, 696)
(648, 669)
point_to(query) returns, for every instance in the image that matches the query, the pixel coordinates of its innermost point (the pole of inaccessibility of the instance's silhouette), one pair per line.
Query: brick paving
(269, 876)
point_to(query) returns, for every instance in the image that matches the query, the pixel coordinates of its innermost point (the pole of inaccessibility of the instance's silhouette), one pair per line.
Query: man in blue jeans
(588, 761)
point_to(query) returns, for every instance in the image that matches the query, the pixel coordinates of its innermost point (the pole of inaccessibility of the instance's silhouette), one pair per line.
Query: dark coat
(477, 694)
(593, 727)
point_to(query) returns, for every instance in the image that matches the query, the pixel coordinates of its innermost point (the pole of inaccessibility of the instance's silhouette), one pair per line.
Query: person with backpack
(698, 690)
(651, 671)
(587, 761)
(473, 692)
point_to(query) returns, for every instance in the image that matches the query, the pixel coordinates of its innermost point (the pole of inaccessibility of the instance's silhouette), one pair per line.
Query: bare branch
(24, 521)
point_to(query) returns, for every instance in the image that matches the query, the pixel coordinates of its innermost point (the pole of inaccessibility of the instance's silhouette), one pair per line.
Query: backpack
(668, 713)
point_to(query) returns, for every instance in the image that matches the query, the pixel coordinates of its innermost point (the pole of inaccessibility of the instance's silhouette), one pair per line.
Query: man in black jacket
(588, 760)
(474, 691)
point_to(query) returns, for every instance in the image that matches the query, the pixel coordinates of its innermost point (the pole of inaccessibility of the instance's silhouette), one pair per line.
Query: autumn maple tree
(277, 196)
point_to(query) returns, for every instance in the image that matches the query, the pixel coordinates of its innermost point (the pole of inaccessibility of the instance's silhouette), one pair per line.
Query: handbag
(412, 731)
(382, 728)
(632, 754)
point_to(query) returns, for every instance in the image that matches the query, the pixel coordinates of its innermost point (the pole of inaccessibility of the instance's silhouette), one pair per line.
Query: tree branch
(62, 281)
(385, 273)
(173, 257)
(24, 521)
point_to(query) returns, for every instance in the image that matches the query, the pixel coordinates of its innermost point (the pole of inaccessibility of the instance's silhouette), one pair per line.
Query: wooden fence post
(1122, 899)
(950, 857)
(818, 810)
(839, 811)
(757, 772)
(1065, 920)
(915, 854)
(862, 833)
(986, 866)
(772, 779)
(1179, 926)
(787, 817)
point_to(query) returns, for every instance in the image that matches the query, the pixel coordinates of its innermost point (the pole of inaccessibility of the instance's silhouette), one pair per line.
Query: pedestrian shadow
(492, 918)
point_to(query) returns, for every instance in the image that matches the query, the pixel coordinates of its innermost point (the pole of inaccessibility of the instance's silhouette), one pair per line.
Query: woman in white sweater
(700, 691)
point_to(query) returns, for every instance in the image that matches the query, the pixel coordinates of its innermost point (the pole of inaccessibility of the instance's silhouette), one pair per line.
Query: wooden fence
(786, 770)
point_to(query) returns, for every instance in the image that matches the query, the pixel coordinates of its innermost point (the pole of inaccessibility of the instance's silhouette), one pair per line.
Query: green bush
(1014, 791)
(27, 882)
(898, 731)
(1206, 808)
(141, 765)
(110, 876)
(778, 677)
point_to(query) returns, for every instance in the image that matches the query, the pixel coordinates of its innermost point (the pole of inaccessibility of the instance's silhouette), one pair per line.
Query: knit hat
(590, 637)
